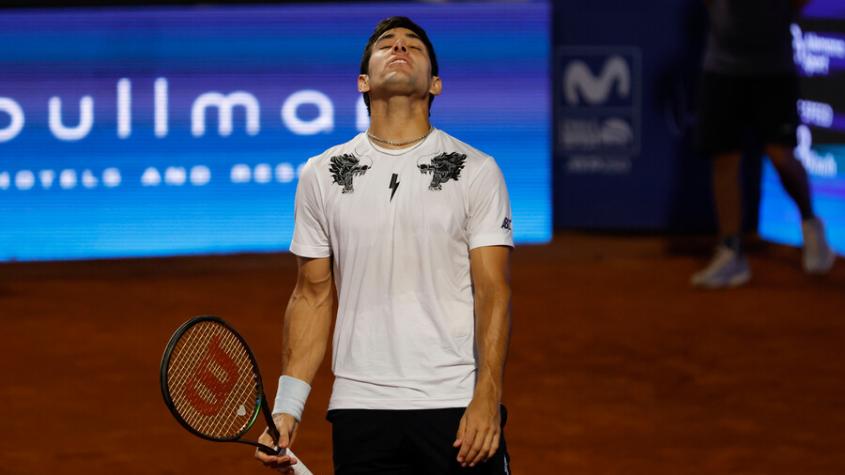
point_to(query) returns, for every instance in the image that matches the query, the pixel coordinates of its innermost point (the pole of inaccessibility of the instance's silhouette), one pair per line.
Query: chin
(400, 84)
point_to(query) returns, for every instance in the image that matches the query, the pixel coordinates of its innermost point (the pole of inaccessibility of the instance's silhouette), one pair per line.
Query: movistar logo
(580, 85)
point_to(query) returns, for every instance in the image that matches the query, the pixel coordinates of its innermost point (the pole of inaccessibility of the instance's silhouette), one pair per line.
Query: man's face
(399, 65)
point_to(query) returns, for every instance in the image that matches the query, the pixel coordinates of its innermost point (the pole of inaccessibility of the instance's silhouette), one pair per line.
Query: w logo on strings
(213, 380)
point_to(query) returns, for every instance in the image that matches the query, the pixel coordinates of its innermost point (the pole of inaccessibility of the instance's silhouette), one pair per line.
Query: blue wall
(624, 91)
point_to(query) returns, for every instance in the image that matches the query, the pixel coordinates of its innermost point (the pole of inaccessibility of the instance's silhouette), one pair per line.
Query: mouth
(397, 61)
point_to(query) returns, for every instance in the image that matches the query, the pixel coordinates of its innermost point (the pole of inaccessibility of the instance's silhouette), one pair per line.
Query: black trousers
(405, 442)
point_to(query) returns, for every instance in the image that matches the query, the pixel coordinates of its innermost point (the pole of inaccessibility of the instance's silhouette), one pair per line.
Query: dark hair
(389, 24)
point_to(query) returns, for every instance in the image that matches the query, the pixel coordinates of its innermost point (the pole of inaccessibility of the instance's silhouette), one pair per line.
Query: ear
(363, 83)
(436, 86)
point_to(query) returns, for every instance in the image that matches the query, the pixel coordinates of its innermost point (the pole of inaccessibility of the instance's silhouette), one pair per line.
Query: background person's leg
(727, 194)
(728, 268)
(793, 177)
(719, 136)
(776, 121)
(818, 257)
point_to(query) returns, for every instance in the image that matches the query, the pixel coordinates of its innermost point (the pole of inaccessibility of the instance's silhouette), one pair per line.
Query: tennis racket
(211, 384)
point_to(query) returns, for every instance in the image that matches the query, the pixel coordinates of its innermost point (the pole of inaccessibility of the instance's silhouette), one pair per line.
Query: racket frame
(260, 404)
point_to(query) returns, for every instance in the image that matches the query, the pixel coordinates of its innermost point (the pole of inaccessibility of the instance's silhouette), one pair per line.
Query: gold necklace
(398, 144)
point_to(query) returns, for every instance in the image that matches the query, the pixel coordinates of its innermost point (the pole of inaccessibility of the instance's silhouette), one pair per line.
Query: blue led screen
(162, 131)
(819, 43)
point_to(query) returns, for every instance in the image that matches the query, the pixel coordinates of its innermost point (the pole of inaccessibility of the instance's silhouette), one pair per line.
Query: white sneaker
(818, 256)
(727, 269)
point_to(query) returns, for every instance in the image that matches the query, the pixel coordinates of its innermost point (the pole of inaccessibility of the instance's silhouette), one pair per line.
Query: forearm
(492, 335)
(306, 329)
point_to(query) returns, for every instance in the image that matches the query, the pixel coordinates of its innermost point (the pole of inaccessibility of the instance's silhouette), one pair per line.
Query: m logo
(224, 105)
(581, 86)
(598, 108)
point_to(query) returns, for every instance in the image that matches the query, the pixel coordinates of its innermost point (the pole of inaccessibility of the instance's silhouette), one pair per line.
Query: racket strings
(212, 382)
(243, 394)
(196, 348)
(227, 420)
(185, 357)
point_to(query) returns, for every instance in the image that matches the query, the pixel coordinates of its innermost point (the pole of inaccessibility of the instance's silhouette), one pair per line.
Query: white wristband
(291, 396)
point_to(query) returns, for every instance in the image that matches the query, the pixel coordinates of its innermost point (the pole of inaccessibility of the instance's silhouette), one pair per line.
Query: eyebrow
(388, 36)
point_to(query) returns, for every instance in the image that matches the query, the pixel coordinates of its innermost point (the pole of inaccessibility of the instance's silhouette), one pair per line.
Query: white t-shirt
(400, 224)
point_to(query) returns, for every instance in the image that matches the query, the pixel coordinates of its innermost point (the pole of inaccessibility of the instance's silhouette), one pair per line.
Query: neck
(398, 120)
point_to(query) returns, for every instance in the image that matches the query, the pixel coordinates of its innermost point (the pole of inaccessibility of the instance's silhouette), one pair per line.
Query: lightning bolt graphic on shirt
(394, 185)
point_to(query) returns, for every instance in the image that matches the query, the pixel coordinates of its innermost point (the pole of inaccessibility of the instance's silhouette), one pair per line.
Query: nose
(399, 45)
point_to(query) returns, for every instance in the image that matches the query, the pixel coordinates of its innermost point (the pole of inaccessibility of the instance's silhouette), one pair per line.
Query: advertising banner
(181, 130)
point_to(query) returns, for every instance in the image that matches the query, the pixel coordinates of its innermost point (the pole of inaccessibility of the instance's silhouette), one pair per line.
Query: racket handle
(270, 450)
(299, 468)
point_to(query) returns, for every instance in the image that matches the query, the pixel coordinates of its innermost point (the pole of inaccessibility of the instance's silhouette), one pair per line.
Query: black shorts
(404, 442)
(734, 111)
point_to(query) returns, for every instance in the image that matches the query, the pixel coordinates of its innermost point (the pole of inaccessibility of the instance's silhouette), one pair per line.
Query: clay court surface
(616, 365)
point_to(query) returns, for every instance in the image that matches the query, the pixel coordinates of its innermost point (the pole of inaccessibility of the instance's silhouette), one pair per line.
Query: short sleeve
(310, 230)
(489, 221)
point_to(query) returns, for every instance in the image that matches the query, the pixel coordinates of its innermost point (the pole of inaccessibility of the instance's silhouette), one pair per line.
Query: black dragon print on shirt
(344, 168)
(443, 167)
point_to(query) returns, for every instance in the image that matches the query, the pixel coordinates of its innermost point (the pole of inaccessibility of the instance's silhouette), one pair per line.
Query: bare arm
(306, 332)
(480, 431)
(490, 268)
(308, 319)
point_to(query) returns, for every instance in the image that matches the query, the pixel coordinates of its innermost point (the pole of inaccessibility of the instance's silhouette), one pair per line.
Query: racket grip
(299, 468)
(270, 450)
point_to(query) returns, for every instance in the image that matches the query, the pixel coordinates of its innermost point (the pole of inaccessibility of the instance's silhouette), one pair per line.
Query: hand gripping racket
(211, 384)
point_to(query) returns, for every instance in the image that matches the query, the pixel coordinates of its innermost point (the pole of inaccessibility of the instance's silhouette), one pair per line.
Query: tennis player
(414, 227)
